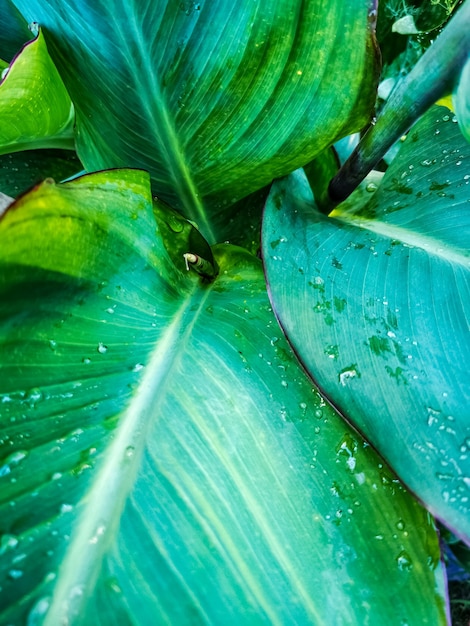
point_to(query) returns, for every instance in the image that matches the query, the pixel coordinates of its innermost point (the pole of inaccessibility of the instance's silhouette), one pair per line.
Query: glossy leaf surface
(21, 170)
(13, 30)
(35, 109)
(192, 91)
(461, 100)
(165, 459)
(375, 300)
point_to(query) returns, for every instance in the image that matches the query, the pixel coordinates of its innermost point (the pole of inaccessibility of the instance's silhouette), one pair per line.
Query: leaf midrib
(431, 245)
(102, 507)
(146, 82)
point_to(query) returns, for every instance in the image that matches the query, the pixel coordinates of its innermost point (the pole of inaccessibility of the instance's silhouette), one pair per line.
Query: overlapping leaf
(461, 100)
(21, 170)
(13, 30)
(375, 299)
(165, 459)
(35, 109)
(215, 98)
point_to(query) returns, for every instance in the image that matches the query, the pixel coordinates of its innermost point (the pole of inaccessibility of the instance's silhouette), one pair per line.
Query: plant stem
(431, 78)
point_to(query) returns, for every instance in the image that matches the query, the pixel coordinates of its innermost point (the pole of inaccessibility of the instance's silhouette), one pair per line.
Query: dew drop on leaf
(11, 461)
(37, 613)
(404, 561)
(7, 542)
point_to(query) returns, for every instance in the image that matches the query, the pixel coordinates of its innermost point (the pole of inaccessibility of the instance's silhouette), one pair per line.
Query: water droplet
(284, 383)
(14, 574)
(137, 367)
(113, 585)
(102, 349)
(11, 461)
(99, 533)
(37, 613)
(433, 416)
(361, 479)
(404, 561)
(33, 396)
(318, 413)
(56, 476)
(86, 361)
(400, 525)
(7, 542)
(371, 187)
(465, 444)
(426, 162)
(52, 344)
(175, 224)
(66, 508)
(347, 375)
(110, 310)
(130, 450)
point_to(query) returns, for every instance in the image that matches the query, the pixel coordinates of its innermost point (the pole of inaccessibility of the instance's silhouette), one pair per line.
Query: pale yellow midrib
(103, 506)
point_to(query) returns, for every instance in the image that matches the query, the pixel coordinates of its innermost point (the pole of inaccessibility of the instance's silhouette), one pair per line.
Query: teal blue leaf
(164, 457)
(375, 300)
(461, 100)
(13, 30)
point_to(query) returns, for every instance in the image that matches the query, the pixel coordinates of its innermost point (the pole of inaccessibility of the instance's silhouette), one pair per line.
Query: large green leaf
(375, 300)
(35, 109)
(215, 98)
(165, 459)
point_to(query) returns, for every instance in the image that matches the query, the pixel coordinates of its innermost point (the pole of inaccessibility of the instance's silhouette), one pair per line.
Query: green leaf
(20, 170)
(165, 459)
(13, 30)
(35, 108)
(192, 91)
(375, 301)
